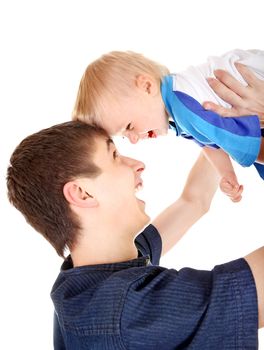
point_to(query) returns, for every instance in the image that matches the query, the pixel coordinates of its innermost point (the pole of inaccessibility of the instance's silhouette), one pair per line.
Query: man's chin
(144, 224)
(146, 220)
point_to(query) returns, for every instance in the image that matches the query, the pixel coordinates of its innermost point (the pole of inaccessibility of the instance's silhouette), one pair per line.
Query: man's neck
(103, 249)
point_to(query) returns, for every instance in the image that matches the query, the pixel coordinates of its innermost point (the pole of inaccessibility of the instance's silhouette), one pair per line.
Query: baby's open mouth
(151, 134)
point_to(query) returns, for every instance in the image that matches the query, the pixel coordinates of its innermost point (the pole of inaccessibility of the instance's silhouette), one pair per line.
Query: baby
(131, 95)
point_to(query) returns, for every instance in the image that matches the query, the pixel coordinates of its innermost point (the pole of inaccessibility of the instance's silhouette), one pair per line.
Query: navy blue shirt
(139, 305)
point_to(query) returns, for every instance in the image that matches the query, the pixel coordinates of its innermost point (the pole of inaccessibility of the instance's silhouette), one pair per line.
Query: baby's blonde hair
(111, 75)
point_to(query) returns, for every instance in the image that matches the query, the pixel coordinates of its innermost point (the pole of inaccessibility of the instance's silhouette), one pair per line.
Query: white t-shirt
(193, 82)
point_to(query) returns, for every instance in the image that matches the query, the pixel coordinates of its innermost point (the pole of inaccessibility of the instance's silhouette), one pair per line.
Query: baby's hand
(230, 186)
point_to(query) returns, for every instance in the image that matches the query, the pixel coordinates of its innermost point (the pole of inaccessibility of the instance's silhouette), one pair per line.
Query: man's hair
(112, 75)
(40, 167)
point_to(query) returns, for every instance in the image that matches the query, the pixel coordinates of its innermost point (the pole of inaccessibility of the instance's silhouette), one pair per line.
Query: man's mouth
(138, 187)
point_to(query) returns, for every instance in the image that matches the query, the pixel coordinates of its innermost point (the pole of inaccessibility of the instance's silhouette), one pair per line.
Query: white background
(45, 47)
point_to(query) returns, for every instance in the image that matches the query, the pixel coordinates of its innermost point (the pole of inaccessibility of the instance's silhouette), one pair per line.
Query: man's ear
(147, 84)
(75, 194)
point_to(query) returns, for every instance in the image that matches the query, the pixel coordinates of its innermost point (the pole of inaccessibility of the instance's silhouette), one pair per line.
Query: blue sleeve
(240, 137)
(149, 243)
(169, 309)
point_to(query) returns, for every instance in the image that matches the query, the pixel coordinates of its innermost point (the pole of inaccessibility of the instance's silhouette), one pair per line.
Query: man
(75, 189)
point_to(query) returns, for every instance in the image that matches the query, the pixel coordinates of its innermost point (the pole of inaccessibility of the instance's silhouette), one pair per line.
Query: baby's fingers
(238, 196)
(232, 190)
(228, 188)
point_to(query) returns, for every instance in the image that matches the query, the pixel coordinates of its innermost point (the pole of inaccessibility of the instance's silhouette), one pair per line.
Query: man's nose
(135, 164)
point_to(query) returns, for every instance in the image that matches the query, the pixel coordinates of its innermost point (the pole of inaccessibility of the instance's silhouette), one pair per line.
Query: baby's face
(136, 117)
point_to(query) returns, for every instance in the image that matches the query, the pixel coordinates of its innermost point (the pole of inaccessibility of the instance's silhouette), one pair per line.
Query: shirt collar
(168, 98)
(138, 262)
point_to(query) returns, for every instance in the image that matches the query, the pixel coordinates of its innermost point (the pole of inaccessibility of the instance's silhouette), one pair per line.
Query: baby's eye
(129, 127)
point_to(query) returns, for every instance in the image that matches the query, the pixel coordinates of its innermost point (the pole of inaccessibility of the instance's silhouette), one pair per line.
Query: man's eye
(115, 154)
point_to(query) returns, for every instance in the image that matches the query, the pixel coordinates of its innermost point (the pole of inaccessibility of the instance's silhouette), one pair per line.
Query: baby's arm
(222, 163)
(238, 136)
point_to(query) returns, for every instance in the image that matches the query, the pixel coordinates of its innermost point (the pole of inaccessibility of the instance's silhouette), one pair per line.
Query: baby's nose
(133, 137)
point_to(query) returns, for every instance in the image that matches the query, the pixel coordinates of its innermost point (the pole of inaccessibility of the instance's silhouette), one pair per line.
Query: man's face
(136, 117)
(115, 188)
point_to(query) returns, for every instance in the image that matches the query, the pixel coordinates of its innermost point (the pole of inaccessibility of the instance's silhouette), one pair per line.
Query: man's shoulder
(96, 298)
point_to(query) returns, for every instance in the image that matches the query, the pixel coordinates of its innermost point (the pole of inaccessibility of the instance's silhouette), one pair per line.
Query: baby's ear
(78, 196)
(146, 84)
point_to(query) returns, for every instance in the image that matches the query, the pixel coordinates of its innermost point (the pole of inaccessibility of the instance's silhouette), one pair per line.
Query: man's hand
(230, 186)
(245, 100)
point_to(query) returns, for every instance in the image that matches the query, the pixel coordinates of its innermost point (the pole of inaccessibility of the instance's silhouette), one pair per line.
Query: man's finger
(224, 112)
(247, 74)
(231, 82)
(223, 91)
